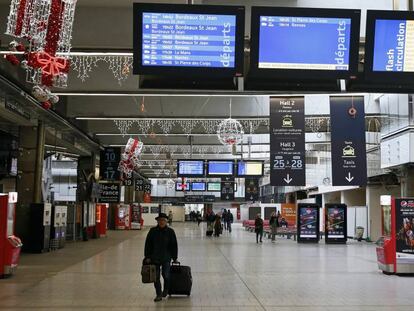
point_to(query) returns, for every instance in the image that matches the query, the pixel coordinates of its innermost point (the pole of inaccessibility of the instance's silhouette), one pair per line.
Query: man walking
(160, 248)
(229, 220)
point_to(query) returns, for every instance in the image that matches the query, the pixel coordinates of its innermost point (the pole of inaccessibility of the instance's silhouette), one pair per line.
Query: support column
(29, 181)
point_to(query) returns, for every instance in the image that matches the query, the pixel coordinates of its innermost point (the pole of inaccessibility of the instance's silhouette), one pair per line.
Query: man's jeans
(165, 275)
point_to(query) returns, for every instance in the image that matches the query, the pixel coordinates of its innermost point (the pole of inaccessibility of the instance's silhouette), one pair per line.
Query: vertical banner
(227, 189)
(349, 158)
(251, 189)
(287, 141)
(404, 222)
(288, 213)
(108, 165)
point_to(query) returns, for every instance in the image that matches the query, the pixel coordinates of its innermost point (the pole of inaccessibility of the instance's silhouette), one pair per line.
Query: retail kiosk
(10, 245)
(395, 249)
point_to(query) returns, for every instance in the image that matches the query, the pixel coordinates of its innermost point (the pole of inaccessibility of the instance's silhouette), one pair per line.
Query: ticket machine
(63, 223)
(395, 249)
(10, 245)
(122, 217)
(55, 227)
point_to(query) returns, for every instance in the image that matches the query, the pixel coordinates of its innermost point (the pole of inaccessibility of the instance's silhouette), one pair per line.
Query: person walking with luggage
(218, 228)
(274, 223)
(199, 218)
(229, 220)
(258, 228)
(160, 248)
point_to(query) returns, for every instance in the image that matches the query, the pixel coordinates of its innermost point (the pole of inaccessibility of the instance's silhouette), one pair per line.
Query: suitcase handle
(176, 263)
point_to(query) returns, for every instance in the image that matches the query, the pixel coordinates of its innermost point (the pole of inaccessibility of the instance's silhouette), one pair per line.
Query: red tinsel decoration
(20, 17)
(20, 47)
(51, 66)
(12, 59)
(54, 26)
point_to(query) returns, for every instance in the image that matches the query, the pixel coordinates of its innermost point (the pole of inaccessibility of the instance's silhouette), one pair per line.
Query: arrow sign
(349, 178)
(288, 179)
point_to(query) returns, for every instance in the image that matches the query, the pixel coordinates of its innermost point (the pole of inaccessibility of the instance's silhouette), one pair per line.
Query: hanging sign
(139, 184)
(251, 189)
(287, 141)
(349, 158)
(109, 162)
(109, 192)
(227, 189)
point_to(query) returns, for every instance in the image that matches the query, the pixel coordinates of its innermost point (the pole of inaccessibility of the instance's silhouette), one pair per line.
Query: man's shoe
(158, 298)
(164, 293)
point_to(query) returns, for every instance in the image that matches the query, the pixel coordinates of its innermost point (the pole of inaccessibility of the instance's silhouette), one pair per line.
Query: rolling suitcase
(181, 280)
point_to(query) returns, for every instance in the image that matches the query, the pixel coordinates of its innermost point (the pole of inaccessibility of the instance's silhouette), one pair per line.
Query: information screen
(336, 222)
(394, 45)
(249, 168)
(190, 168)
(179, 186)
(220, 168)
(188, 40)
(198, 186)
(308, 222)
(214, 186)
(307, 43)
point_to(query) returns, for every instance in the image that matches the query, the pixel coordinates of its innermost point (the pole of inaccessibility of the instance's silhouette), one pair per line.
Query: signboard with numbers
(139, 184)
(287, 141)
(109, 162)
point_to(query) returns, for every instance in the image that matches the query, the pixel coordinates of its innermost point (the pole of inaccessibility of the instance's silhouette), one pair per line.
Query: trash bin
(359, 233)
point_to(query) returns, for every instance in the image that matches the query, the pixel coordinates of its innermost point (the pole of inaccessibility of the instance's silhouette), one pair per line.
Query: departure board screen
(249, 168)
(190, 168)
(305, 43)
(198, 186)
(188, 40)
(394, 45)
(220, 168)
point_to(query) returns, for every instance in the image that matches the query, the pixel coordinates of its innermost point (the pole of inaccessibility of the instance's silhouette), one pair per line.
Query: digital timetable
(393, 45)
(310, 43)
(188, 40)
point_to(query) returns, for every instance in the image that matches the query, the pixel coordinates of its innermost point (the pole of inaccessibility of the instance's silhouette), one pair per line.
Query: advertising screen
(404, 221)
(336, 222)
(220, 168)
(394, 45)
(179, 186)
(188, 168)
(250, 168)
(308, 43)
(214, 186)
(188, 40)
(198, 186)
(308, 222)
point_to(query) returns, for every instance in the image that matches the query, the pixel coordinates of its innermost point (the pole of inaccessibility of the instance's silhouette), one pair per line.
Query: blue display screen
(198, 186)
(307, 43)
(188, 40)
(191, 168)
(220, 167)
(393, 45)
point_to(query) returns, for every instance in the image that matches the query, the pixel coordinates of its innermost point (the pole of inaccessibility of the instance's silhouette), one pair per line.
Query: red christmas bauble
(46, 105)
(12, 59)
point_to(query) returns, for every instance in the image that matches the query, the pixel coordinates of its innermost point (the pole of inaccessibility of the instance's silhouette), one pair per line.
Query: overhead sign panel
(287, 141)
(227, 189)
(251, 189)
(349, 157)
(109, 161)
(109, 192)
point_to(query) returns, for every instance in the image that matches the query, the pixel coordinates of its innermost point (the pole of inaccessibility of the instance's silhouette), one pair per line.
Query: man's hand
(175, 260)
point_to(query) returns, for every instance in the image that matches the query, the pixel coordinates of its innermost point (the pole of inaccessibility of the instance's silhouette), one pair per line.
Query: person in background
(199, 218)
(274, 223)
(284, 223)
(218, 228)
(258, 228)
(160, 248)
(170, 218)
(224, 219)
(229, 220)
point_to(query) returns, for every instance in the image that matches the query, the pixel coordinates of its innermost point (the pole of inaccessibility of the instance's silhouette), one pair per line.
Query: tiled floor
(229, 273)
